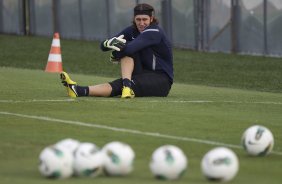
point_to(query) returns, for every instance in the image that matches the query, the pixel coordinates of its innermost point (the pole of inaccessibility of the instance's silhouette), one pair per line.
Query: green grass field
(35, 112)
(214, 99)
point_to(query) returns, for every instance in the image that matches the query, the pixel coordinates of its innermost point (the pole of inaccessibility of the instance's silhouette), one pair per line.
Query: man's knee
(127, 59)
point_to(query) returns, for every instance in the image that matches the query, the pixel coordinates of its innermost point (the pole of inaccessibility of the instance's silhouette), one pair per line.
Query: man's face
(142, 21)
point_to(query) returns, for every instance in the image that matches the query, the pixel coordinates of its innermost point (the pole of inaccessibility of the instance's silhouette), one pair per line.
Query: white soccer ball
(68, 143)
(55, 163)
(168, 162)
(88, 160)
(220, 164)
(119, 158)
(258, 140)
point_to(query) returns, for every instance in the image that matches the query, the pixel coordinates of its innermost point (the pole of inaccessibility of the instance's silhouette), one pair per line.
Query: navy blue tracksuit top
(152, 46)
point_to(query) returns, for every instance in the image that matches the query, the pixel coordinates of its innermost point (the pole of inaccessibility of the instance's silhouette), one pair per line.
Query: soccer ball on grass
(168, 162)
(220, 164)
(118, 158)
(55, 163)
(88, 160)
(258, 140)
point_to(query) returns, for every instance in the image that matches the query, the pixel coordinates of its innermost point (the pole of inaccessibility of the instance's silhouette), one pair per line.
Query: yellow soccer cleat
(69, 84)
(127, 92)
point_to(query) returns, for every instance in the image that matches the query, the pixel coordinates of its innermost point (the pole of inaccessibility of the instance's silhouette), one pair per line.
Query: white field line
(131, 131)
(36, 100)
(145, 101)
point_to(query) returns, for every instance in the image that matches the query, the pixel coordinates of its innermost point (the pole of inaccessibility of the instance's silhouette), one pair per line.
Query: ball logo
(222, 161)
(252, 143)
(113, 157)
(259, 133)
(168, 157)
(89, 172)
(57, 152)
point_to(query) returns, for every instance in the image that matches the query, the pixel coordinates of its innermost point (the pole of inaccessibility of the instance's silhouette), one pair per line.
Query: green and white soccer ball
(168, 162)
(118, 158)
(258, 140)
(55, 163)
(220, 164)
(88, 160)
(69, 144)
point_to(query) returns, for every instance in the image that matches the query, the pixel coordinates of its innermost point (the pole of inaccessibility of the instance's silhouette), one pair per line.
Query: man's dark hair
(145, 9)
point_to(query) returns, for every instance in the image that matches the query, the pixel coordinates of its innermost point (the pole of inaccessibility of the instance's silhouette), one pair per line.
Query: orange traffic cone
(54, 63)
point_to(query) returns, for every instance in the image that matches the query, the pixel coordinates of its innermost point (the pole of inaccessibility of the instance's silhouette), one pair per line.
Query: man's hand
(113, 59)
(115, 43)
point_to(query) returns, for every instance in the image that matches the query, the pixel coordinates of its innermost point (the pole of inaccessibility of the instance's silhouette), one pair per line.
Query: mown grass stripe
(137, 132)
(146, 101)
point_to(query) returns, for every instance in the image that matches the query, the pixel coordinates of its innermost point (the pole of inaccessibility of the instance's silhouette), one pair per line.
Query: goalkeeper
(145, 57)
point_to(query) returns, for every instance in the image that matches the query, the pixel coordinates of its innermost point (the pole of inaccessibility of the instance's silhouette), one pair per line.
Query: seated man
(145, 57)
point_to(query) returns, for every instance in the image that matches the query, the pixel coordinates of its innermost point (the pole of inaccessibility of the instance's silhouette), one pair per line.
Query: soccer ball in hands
(220, 164)
(55, 163)
(168, 162)
(258, 140)
(68, 143)
(88, 160)
(118, 158)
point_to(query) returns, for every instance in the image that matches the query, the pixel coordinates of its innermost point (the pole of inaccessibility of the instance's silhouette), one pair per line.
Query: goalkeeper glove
(115, 43)
(113, 59)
